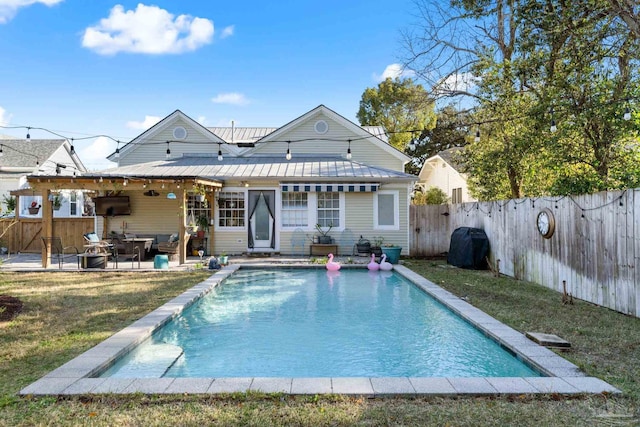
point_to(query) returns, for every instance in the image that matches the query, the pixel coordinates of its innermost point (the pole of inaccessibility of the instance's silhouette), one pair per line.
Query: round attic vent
(179, 133)
(321, 127)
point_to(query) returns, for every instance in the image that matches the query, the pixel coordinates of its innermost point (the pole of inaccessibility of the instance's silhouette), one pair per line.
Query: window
(328, 209)
(385, 210)
(456, 195)
(73, 204)
(231, 209)
(295, 211)
(198, 206)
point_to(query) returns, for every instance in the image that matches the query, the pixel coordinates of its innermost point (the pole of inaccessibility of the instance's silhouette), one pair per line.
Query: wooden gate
(24, 234)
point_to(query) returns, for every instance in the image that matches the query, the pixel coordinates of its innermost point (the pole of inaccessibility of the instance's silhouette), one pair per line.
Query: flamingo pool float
(384, 265)
(373, 265)
(331, 265)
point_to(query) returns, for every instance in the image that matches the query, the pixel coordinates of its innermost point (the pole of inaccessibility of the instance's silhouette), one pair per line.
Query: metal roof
(241, 134)
(377, 131)
(259, 167)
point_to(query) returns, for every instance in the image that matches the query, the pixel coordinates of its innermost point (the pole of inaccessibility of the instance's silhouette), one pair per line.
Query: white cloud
(461, 82)
(393, 71)
(4, 117)
(94, 156)
(9, 8)
(227, 31)
(147, 29)
(145, 124)
(232, 98)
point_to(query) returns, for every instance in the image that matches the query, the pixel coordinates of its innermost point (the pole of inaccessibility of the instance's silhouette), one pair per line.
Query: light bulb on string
(220, 152)
(349, 150)
(73, 149)
(168, 151)
(288, 155)
(28, 133)
(553, 127)
(477, 138)
(627, 114)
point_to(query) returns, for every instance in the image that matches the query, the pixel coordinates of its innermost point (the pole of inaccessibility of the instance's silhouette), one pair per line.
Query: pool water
(315, 323)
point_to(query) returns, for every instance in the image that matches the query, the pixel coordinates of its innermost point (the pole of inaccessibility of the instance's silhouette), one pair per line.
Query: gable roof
(236, 135)
(358, 130)
(161, 125)
(452, 157)
(32, 153)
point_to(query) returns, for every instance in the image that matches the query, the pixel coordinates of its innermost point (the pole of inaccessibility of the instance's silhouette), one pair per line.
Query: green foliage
(399, 105)
(433, 196)
(10, 203)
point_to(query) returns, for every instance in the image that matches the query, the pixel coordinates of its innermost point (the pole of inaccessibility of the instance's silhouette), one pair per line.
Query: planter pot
(223, 260)
(200, 234)
(392, 253)
(376, 250)
(200, 198)
(324, 240)
(363, 248)
(56, 208)
(34, 211)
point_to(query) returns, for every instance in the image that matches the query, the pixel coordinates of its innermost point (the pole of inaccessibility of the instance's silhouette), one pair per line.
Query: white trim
(396, 210)
(216, 213)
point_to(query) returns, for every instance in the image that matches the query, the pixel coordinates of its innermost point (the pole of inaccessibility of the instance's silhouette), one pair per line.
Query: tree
(450, 131)
(433, 196)
(401, 106)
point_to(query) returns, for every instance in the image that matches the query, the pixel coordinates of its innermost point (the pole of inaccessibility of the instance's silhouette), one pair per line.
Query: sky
(97, 67)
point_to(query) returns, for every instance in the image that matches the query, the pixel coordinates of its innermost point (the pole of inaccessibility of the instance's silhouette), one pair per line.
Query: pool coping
(75, 376)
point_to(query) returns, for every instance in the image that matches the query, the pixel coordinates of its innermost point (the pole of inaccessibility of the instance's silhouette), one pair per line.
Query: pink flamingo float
(332, 265)
(373, 265)
(384, 265)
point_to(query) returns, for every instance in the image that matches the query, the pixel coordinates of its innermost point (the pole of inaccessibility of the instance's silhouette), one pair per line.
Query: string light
(117, 155)
(349, 151)
(553, 127)
(73, 149)
(288, 155)
(1, 152)
(477, 138)
(220, 152)
(28, 133)
(168, 151)
(627, 113)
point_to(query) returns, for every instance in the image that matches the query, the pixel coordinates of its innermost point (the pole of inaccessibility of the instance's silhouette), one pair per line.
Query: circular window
(321, 127)
(179, 133)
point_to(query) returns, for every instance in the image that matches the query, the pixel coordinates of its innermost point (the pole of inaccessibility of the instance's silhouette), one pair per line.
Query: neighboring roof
(452, 156)
(28, 152)
(259, 167)
(377, 131)
(241, 134)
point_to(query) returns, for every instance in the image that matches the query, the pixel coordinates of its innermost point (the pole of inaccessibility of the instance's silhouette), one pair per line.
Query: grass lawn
(64, 314)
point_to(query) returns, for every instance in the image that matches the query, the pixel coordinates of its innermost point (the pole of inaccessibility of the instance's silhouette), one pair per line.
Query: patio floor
(33, 262)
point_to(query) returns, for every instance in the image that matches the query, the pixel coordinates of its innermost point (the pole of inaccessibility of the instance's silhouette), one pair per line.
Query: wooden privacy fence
(23, 234)
(595, 247)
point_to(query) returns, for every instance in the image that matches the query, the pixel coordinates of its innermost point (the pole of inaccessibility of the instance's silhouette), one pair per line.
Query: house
(265, 189)
(22, 157)
(444, 171)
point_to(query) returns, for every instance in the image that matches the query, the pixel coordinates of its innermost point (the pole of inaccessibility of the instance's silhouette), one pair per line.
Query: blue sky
(89, 67)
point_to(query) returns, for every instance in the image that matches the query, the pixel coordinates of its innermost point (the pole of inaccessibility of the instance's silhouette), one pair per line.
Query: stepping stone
(548, 340)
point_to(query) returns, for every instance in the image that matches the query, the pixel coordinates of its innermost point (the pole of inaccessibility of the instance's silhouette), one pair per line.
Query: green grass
(67, 313)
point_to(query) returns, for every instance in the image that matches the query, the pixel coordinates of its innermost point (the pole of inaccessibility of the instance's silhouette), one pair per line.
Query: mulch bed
(12, 306)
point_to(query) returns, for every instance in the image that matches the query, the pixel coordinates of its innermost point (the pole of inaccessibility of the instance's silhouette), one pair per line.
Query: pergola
(177, 185)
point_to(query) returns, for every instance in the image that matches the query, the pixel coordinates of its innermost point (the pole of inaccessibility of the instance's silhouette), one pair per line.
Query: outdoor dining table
(142, 243)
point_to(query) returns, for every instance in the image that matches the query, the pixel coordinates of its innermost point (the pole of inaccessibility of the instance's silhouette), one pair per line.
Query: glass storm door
(261, 222)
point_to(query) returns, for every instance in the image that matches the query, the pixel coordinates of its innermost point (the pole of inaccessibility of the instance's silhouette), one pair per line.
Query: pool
(316, 323)
(82, 375)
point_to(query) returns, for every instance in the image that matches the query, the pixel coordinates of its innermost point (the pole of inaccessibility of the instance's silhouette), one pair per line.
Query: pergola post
(182, 229)
(47, 226)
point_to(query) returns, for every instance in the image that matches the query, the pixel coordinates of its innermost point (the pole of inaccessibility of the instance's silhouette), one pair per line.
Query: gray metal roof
(26, 152)
(260, 167)
(241, 134)
(453, 157)
(377, 131)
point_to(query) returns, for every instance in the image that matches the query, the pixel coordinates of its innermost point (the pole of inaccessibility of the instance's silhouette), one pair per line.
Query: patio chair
(126, 250)
(347, 241)
(60, 252)
(171, 247)
(298, 238)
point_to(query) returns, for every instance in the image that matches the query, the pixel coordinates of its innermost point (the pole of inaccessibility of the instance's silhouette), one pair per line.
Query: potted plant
(10, 202)
(376, 245)
(34, 208)
(223, 259)
(203, 225)
(200, 193)
(56, 201)
(363, 246)
(324, 237)
(392, 252)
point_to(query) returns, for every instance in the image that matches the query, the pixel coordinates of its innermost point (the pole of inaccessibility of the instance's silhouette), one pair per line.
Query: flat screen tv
(112, 205)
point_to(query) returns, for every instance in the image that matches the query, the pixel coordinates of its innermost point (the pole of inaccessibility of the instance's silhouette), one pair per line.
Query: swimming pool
(315, 323)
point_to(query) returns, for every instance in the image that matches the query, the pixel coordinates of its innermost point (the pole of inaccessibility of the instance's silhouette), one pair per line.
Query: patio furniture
(58, 251)
(126, 250)
(171, 247)
(298, 238)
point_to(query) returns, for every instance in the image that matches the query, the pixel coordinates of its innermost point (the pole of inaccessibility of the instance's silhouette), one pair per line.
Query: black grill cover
(469, 248)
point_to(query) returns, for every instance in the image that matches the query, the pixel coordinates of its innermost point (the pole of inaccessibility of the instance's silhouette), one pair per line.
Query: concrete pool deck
(75, 376)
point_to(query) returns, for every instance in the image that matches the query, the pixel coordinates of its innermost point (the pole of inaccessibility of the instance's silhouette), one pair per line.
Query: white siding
(440, 174)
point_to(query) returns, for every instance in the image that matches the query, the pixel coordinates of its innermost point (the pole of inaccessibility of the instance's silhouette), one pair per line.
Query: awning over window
(324, 187)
